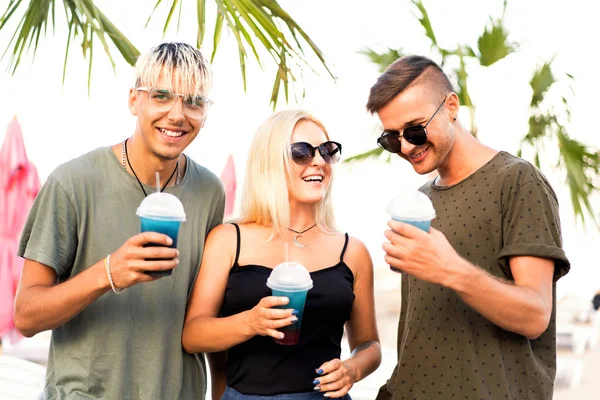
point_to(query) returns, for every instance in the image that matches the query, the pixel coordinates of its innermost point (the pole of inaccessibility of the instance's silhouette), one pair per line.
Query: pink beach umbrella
(19, 184)
(229, 182)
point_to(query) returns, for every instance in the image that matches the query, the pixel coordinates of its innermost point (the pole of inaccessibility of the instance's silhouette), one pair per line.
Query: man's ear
(453, 105)
(132, 101)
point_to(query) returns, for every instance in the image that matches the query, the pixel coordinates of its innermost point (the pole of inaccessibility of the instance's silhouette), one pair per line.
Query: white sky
(60, 123)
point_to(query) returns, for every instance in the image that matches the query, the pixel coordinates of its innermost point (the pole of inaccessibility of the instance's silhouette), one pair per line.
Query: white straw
(157, 182)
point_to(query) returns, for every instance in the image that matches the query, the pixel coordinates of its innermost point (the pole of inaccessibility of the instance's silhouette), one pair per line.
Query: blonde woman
(287, 215)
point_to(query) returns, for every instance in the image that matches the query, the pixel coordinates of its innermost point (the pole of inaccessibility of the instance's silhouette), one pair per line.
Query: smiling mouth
(170, 133)
(313, 178)
(419, 154)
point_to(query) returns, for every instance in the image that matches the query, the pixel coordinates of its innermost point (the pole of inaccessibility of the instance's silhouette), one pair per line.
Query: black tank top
(262, 367)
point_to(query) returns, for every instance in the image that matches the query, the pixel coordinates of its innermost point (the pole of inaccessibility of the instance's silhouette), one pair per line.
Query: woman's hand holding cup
(264, 320)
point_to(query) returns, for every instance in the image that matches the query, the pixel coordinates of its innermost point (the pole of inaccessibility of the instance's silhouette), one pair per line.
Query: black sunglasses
(303, 153)
(416, 134)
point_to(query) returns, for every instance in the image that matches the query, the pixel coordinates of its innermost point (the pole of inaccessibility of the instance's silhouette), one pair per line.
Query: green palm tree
(255, 24)
(580, 163)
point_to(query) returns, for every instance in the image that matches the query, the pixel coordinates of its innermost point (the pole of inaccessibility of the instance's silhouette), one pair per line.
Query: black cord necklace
(299, 234)
(138, 179)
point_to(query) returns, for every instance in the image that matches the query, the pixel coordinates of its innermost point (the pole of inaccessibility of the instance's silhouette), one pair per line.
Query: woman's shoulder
(356, 247)
(224, 233)
(357, 256)
(228, 230)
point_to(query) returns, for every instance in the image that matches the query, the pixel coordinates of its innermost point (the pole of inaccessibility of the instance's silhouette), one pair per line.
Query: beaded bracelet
(112, 285)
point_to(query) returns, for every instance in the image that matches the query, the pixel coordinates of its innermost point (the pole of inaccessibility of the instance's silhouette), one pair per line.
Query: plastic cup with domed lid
(291, 280)
(412, 207)
(163, 213)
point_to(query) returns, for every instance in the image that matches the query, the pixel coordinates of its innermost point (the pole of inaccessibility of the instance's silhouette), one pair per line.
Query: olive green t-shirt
(128, 345)
(446, 349)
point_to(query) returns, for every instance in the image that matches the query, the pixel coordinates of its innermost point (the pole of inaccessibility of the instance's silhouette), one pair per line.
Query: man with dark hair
(478, 291)
(93, 278)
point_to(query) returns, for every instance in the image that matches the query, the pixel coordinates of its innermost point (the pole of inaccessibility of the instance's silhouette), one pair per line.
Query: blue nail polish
(295, 312)
(316, 382)
(320, 371)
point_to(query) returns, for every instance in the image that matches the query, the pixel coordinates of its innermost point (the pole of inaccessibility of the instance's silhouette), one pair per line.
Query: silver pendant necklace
(298, 235)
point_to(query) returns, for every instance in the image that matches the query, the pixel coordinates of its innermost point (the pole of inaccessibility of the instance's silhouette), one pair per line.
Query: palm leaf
(228, 17)
(461, 81)
(493, 44)
(582, 164)
(540, 83)
(423, 18)
(376, 153)
(382, 60)
(201, 18)
(217, 35)
(249, 20)
(280, 14)
(84, 20)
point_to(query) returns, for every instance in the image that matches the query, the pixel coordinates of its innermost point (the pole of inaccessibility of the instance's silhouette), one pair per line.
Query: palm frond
(493, 44)
(382, 60)
(425, 22)
(248, 19)
(85, 21)
(540, 83)
(217, 35)
(581, 164)
(201, 18)
(375, 153)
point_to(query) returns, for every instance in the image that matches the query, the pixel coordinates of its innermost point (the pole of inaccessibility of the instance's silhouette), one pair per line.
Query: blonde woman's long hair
(265, 200)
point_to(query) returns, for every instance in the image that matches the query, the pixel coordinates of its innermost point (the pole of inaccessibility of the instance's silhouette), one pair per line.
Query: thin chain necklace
(299, 234)
(125, 156)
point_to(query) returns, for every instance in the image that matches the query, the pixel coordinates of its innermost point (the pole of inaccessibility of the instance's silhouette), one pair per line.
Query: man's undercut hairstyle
(194, 74)
(405, 72)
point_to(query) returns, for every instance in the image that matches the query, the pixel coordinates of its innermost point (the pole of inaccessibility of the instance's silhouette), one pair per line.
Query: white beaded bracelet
(112, 285)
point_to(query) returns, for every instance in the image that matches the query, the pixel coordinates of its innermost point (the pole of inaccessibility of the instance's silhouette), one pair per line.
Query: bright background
(63, 122)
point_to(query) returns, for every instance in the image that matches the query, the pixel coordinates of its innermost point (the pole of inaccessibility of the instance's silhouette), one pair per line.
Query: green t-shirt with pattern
(125, 346)
(446, 349)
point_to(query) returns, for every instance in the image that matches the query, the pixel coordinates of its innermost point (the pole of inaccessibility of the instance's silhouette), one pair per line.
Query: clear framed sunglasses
(194, 106)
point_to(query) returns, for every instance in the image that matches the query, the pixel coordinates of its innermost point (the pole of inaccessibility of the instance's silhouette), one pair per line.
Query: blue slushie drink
(163, 213)
(291, 280)
(412, 207)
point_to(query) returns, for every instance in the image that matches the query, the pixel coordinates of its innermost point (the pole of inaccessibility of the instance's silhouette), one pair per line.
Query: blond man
(89, 276)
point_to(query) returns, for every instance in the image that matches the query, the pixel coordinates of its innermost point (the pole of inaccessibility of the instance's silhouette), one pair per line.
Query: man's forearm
(40, 308)
(519, 309)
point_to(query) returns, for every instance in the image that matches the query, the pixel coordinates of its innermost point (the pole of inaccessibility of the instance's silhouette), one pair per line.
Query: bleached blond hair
(265, 199)
(194, 74)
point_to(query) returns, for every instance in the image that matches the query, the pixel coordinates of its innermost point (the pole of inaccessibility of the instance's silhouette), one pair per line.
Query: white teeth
(171, 133)
(313, 178)
(419, 154)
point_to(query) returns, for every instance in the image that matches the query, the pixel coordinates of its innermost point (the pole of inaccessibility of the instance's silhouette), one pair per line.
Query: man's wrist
(102, 281)
(460, 275)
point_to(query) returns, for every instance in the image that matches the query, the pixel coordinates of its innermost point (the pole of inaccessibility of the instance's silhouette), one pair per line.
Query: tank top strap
(344, 249)
(237, 249)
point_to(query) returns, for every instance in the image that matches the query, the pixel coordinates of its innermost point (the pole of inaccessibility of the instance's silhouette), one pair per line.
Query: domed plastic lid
(290, 276)
(411, 205)
(161, 206)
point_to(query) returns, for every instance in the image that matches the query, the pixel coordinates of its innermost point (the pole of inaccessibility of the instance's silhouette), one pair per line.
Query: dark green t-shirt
(128, 345)
(447, 350)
